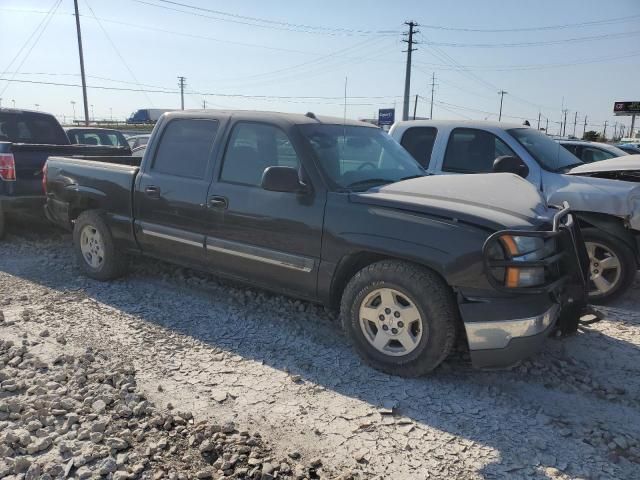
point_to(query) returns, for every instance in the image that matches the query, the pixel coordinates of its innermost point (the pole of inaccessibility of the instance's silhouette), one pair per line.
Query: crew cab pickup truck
(335, 212)
(606, 205)
(27, 139)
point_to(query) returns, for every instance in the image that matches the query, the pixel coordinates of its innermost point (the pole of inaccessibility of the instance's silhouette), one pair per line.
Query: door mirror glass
(282, 179)
(510, 164)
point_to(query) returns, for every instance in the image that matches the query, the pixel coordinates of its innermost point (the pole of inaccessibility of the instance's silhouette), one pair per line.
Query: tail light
(44, 178)
(7, 167)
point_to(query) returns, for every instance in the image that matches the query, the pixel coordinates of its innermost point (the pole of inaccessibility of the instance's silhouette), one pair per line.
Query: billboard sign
(626, 108)
(386, 116)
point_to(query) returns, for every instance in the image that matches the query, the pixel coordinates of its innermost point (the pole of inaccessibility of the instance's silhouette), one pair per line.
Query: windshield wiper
(373, 181)
(568, 167)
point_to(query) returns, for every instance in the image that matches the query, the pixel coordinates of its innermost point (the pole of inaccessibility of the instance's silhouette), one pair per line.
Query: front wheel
(400, 317)
(95, 249)
(612, 266)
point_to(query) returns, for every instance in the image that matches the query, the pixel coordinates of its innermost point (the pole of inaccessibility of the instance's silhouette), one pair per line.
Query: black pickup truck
(27, 139)
(338, 213)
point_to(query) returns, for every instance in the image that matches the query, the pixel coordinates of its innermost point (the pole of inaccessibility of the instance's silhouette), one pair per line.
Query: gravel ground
(280, 369)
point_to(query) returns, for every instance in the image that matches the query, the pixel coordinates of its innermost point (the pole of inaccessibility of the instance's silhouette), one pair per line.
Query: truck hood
(599, 192)
(495, 201)
(628, 163)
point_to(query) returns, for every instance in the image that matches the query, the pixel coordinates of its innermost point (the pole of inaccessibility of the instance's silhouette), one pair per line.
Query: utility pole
(415, 107)
(433, 85)
(584, 129)
(564, 124)
(407, 78)
(111, 113)
(73, 104)
(575, 122)
(615, 130)
(546, 129)
(93, 114)
(604, 133)
(84, 81)
(204, 104)
(539, 114)
(633, 124)
(181, 84)
(501, 93)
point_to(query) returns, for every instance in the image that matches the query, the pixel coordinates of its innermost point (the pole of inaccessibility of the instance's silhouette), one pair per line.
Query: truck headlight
(516, 248)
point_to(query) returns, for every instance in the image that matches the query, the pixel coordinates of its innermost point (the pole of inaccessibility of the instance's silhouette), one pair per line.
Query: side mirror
(282, 179)
(509, 164)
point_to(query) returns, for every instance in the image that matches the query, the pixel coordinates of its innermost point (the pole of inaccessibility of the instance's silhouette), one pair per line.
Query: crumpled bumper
(499, 339)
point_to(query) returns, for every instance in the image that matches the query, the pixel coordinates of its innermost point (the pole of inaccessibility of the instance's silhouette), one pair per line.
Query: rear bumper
(503, 332)
(27, 205)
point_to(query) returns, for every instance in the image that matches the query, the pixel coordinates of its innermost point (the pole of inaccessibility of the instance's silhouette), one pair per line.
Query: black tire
(112, 264)
(430, 295)
(628, 264)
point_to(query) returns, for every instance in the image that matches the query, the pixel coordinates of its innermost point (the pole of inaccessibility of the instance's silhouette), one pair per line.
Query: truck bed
(94, 180)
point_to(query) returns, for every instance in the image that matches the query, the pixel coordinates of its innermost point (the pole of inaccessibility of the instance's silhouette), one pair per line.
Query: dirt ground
(281, 367)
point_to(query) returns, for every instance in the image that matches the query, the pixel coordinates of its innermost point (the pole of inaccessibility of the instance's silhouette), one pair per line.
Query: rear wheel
(95, 248)
(612, 266)
(400, 317)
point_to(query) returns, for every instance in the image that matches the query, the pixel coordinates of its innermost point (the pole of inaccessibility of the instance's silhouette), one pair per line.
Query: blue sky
(303, 49)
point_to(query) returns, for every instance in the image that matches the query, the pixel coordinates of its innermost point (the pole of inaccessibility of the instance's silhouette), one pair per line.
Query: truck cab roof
(254, 115)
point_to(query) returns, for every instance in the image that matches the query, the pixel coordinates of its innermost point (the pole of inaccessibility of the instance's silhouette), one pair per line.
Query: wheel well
(611, 225)
(76, 209)
(352, 264)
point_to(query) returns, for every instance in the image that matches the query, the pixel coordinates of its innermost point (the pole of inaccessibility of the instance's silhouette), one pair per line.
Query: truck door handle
(217, 202)
(152, 191)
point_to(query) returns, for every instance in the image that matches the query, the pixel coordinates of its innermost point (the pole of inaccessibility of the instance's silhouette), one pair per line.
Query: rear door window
(185, 148)
(251, 149)
(590, 155)
(419, 141)
(473, 151)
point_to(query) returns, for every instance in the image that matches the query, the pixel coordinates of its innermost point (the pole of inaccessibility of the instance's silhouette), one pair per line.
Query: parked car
(608, 210)
(147, 115)
(137, 141)
(590, 152)
(26, 140)
(630, 148)
(335, 212)
(96, 136)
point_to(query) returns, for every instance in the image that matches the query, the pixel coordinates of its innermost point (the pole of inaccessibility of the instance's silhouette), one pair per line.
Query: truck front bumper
(502, 332)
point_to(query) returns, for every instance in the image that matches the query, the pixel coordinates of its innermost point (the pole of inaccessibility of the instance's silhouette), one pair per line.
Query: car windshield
(359, 158)
(547, 152)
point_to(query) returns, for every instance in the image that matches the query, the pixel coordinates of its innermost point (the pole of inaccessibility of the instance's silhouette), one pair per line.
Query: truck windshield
(548, 153)
(359, 158)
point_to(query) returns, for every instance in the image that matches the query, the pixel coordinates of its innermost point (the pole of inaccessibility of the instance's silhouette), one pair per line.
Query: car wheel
(612, 266)
(401, 318)
(95, 248)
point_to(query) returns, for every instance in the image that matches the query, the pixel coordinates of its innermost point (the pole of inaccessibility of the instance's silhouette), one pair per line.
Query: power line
(628, 18)
(278, 22)
(115, 48)
(607, 36)
(263, 23)
(42, 27)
